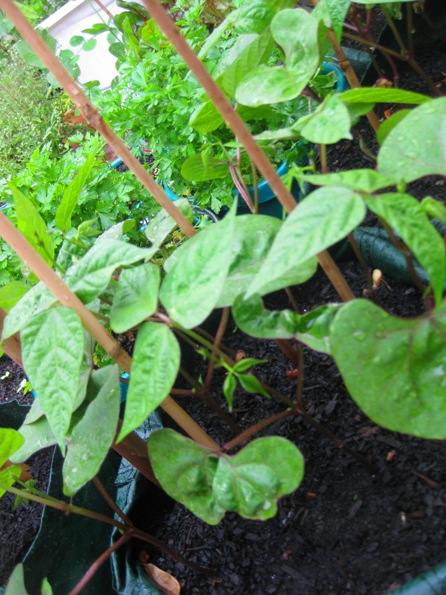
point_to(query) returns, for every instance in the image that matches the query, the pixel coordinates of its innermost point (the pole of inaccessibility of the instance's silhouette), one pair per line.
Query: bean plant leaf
(93, 430)
(389, 124)
(72, 193)
(252, 240)
(155, 365)
(296, 32)
(186, 472)
(37, 435)
(434, 208)
(383, 95)
(201, 167)
(328, 124)
(90, 276)
(16, 583)
(229, 386)
(31, 224)
(52, 349)
(10, 442)
(333, 13)
(136, 297)
(394, 368)
(255, 16)
(326, 216)
(209, 483)
(416, 147)
(36, 300)
(312, 328)
(193, 285)
(11, 294)
(361, 180)
(407, 217)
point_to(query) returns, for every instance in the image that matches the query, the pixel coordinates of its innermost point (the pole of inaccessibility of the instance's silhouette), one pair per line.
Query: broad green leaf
(90, 276)
(361, 180)
(326, 216)
(72, 193)
(36, 300)
(296, 32)
(209, 483)
(251, 482)
(201, 167)
(77, 40)
(11, 294)
(186, 472)
(252, 385)
(383, 95)
(115, 232)
(16, 584)
(37, 435)
(31, 224)
(155, 365)
(252, 240)
(332, 13)
(394, 368)
(389, 124)
(255, 16)
(247, 363)
(136, 297)
(89, 45)
(257, 52)
(94, 429)
(328, 124)
(159, 228)
(28, 54)
(416, 147)
(206, 118)
(52, 348)
(10, 442)
(406, 216)
(434, 208)
(193, 285)
(312, 328)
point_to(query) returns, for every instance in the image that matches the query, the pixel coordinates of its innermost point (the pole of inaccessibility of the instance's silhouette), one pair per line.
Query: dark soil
(344, 530)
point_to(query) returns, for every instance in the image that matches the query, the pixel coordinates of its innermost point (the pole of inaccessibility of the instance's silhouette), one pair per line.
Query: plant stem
(109, 500)
(217, 342)
(256, 428)
(360, 256)
(396, 34)
(98, 563)
(301, 376)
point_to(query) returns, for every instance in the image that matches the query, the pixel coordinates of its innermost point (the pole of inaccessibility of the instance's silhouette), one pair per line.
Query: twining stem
(217, 342)
(396, 33)
(98, 563)
(91, 114)
(109, 500)
(239, 128)
(243, 437)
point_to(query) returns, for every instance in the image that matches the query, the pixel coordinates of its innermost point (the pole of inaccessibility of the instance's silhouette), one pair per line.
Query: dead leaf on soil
(165, 581)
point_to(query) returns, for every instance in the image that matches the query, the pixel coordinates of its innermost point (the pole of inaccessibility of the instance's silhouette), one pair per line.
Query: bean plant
(393, 368)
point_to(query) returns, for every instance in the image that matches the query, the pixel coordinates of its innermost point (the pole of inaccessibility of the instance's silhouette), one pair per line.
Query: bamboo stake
(240, 130)
(91, 114)
(67, 298)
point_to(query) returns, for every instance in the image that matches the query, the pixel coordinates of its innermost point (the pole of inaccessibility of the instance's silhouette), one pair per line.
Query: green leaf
(10, 442)
(194, 283)
(90, 276)
(434, 208)
(296, 32)
(37, 435)
(326, 216)
(312, 328)
(201, 167)
(332, 13)
(394, 368)
(89, 45)
(416, 147)
(94, 429)
(36, 300)
(206, 118)
(251, 481)
(328, 124)
(52, 349)
(383, 95)
(252, 241)
(136, 297)
(28, 55)
(389, 124)
(186, 472)
(229, 386)
(406, 216)
(12, 293)
(361, 180)
(155, 365)
(31, 224)
(252, 385)
(77, 40)
(256, 15)
(248, 362)
(209, 484)
(16, 584)
(72, 193)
